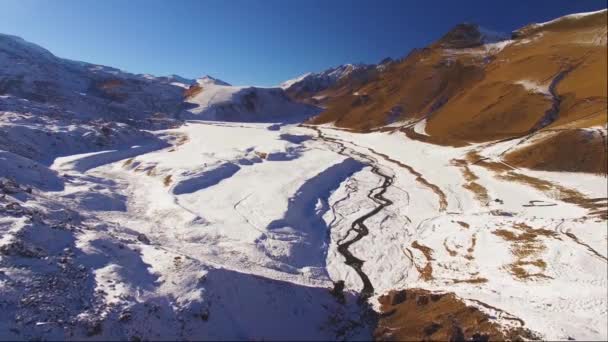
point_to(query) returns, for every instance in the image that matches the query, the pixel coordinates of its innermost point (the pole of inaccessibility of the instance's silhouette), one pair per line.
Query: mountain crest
(467, 35)
(211, 80)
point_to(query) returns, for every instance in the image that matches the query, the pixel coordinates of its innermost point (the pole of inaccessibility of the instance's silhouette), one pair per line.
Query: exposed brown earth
(572, 150)
(110, 84)
(112, 90)
(463, 224)
(177, 141)
(479, 280)
(479, 191)
(421, 315)
(262, 155)
(167, 180)
(192, 91)
(550, 78)
(426, 271)
(527, 249)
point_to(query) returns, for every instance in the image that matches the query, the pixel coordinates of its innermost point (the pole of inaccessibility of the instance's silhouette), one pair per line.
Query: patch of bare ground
(456, 250)
(526, 246)
(151, 171)
(262, 155)
(463, 224)
(147, 169)
(192, 91)
(127, 162)
(478, 280)
(450, 251)
(167, 180)
(597, 207)
(426, 271)
(422, 315)
(178, 140)
(471, 249)
(111, 90)
(479, 191)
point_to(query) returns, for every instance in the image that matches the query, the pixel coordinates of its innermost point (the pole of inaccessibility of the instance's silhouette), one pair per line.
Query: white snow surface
(535, 87)
(220, 101)
(569, 17)
(218, 228)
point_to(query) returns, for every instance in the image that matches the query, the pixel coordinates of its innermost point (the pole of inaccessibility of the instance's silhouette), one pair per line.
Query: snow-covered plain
(231, 230)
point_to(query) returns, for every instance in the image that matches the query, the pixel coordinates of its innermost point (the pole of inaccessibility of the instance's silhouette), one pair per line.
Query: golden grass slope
(549, 79)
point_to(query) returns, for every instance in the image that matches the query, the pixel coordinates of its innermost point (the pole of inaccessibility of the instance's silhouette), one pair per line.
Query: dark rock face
(462, 36)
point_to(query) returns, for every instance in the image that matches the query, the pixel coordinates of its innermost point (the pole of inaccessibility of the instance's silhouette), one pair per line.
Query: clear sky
(259, 42)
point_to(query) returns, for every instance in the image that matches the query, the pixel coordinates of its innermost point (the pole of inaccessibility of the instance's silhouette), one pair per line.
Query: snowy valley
(160, 208)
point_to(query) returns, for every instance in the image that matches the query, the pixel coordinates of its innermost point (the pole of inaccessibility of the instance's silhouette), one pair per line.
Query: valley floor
(241, 231)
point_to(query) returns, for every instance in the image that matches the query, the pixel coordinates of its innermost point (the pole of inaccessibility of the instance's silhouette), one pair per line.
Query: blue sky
(254, 41)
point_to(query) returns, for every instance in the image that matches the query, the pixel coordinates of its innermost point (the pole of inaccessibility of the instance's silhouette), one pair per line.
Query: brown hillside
(408, 90)
(421, 315)
(573, 150)
(192, 91)
(548, 77)
(564, 63)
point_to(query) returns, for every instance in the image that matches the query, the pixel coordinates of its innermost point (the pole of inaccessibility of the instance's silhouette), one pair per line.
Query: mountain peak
(467, 35)
(22, 47)
(211, 80)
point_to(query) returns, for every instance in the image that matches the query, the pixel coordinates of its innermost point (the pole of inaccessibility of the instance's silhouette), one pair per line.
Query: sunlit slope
(548, 79)
(560, 67)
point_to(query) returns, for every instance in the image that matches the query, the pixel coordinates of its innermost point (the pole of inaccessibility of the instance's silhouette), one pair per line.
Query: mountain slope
(547, 78)
(318, 88)
(87, 90)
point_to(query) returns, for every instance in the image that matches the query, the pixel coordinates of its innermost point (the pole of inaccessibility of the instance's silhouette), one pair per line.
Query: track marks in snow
(574, 238)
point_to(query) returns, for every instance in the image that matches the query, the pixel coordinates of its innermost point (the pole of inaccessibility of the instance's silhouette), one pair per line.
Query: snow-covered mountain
(50, 106)
(30, 72)
(318, 87)
(315, 82)
(213, 99)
